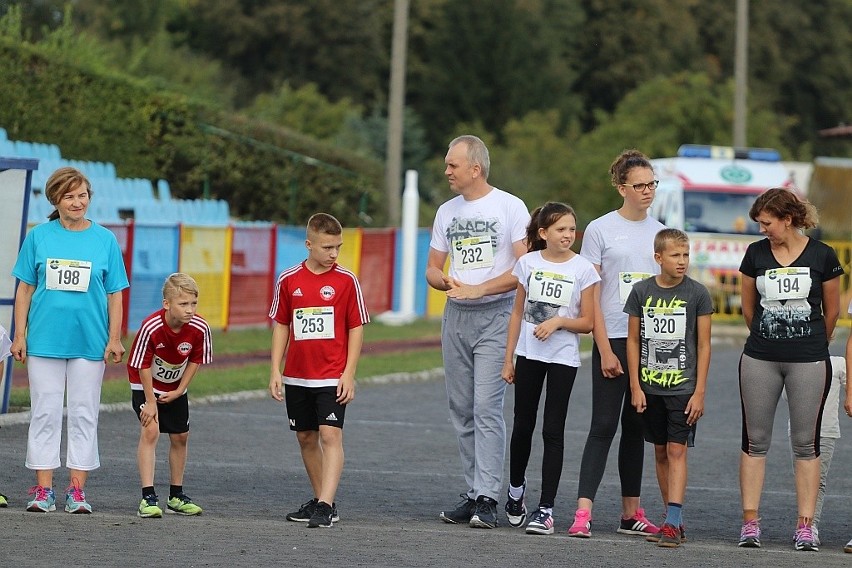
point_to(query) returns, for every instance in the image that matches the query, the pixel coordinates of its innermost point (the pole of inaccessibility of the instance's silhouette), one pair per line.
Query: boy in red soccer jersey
(319, 313)
(168, 349)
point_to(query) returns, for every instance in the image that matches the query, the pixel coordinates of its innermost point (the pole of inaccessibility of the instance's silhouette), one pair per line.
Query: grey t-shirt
(669, 341)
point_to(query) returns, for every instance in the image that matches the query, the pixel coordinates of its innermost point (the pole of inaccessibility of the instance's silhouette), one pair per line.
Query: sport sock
(148, 491)
(674, 514)
(175, 490)
(516, 492)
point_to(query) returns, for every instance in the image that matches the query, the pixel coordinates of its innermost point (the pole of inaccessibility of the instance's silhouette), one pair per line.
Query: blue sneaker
(75, 501)
(43, 501)
(541, 522)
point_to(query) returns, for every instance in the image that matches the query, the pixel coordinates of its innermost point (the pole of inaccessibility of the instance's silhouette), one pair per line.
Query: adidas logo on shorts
(331, 417)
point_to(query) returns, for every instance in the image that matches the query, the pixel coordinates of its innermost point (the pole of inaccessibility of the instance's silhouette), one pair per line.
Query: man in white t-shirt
(482, 232)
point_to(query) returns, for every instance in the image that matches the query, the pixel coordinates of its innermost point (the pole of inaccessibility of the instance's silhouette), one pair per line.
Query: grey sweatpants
(473, 339)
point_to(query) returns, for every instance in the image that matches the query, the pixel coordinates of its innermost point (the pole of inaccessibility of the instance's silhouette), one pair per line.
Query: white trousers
(48, 378)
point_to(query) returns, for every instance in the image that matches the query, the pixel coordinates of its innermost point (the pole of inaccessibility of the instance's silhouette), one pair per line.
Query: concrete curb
(728, 334)
(429, 375)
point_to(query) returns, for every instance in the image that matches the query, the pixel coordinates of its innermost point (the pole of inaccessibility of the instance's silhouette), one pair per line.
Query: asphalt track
(402, 469)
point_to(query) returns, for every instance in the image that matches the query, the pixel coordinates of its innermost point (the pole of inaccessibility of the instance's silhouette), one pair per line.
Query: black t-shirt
(788, 323)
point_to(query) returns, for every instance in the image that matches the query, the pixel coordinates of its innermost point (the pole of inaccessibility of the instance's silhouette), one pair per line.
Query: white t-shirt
(625, 252)
(552, 289)
(478, 235)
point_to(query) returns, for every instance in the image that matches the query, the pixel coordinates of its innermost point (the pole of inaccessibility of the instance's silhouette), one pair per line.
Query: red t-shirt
(167, 353)
(320, 309)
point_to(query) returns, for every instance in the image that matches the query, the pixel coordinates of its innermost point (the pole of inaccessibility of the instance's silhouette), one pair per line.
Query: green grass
(254, 375)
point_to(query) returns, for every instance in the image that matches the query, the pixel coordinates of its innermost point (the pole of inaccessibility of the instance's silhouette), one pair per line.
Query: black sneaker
(516, 509)
(305, 512)
(321, 517)
(485, 514)
(303, 515)
(462, 513)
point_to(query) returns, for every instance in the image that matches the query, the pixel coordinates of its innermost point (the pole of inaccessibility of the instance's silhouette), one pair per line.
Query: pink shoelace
(76, 493)
(39, 491)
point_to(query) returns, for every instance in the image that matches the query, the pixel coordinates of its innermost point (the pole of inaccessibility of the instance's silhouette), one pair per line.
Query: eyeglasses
(640, 187)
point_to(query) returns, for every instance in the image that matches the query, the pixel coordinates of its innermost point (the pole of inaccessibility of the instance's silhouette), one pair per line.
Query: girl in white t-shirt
(554, 303)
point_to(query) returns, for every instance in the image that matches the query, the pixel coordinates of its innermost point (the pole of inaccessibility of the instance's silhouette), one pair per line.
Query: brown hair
(625, 162)
(61, 182)
(780, 202)
(543, 217)
(177, 283)
(324, 223)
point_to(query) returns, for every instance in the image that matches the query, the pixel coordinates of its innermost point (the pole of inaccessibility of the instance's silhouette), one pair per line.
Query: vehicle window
(717, 212)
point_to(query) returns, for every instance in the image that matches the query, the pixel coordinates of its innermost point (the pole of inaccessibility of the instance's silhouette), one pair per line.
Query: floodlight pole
(396, 104)
(741, 75)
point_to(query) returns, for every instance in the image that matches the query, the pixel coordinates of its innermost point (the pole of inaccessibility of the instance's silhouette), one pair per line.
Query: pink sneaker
(582, 527)
(638, 524)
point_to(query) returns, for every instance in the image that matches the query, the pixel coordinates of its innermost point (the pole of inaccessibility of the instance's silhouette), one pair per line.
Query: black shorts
(664, 420)
(173, 417)
(308, 408)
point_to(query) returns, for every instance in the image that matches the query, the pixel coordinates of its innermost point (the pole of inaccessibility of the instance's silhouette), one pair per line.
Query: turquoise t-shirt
(65, 322)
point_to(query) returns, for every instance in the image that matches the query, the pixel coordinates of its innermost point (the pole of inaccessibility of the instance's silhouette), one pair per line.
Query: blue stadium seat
(7, 149)
(24, 149)
(164, 192)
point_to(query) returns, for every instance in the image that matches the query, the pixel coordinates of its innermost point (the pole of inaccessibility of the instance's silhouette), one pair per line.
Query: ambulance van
(707, 191)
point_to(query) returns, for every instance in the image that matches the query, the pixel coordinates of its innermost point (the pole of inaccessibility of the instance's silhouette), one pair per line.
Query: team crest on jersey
(184, 348)
(327, 292)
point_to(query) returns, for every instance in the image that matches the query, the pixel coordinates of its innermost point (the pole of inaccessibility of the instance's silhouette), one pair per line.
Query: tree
(624, 43)
(339, 45)
(656, 118)
(491, 62)
(305, 110)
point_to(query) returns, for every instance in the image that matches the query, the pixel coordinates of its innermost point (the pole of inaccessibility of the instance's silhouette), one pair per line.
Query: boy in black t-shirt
(668, 356)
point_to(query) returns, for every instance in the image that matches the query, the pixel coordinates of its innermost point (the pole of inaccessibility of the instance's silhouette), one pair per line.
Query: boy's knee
(179, 439)
(149, 434)
(307, 438)
(676, 451)
(330, 435)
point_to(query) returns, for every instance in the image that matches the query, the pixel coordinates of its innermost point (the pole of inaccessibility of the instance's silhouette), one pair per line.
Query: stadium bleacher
(114, 199)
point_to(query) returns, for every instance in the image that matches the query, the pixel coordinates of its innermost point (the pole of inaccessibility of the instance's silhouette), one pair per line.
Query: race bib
(473, 252)
(793, 283)
(626, 280)
(166, 372)
(664, 323)
(313, 323)
(551, 287)
(68, 275)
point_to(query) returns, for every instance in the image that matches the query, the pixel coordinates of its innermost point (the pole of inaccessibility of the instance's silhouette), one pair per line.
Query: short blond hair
(667, 235)
(177, 283)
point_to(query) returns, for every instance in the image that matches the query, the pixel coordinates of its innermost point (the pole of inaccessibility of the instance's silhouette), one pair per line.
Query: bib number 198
(67, 275)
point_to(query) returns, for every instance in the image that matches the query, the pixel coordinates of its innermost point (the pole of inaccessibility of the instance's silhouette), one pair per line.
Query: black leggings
(529, 381)
(611, 398)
